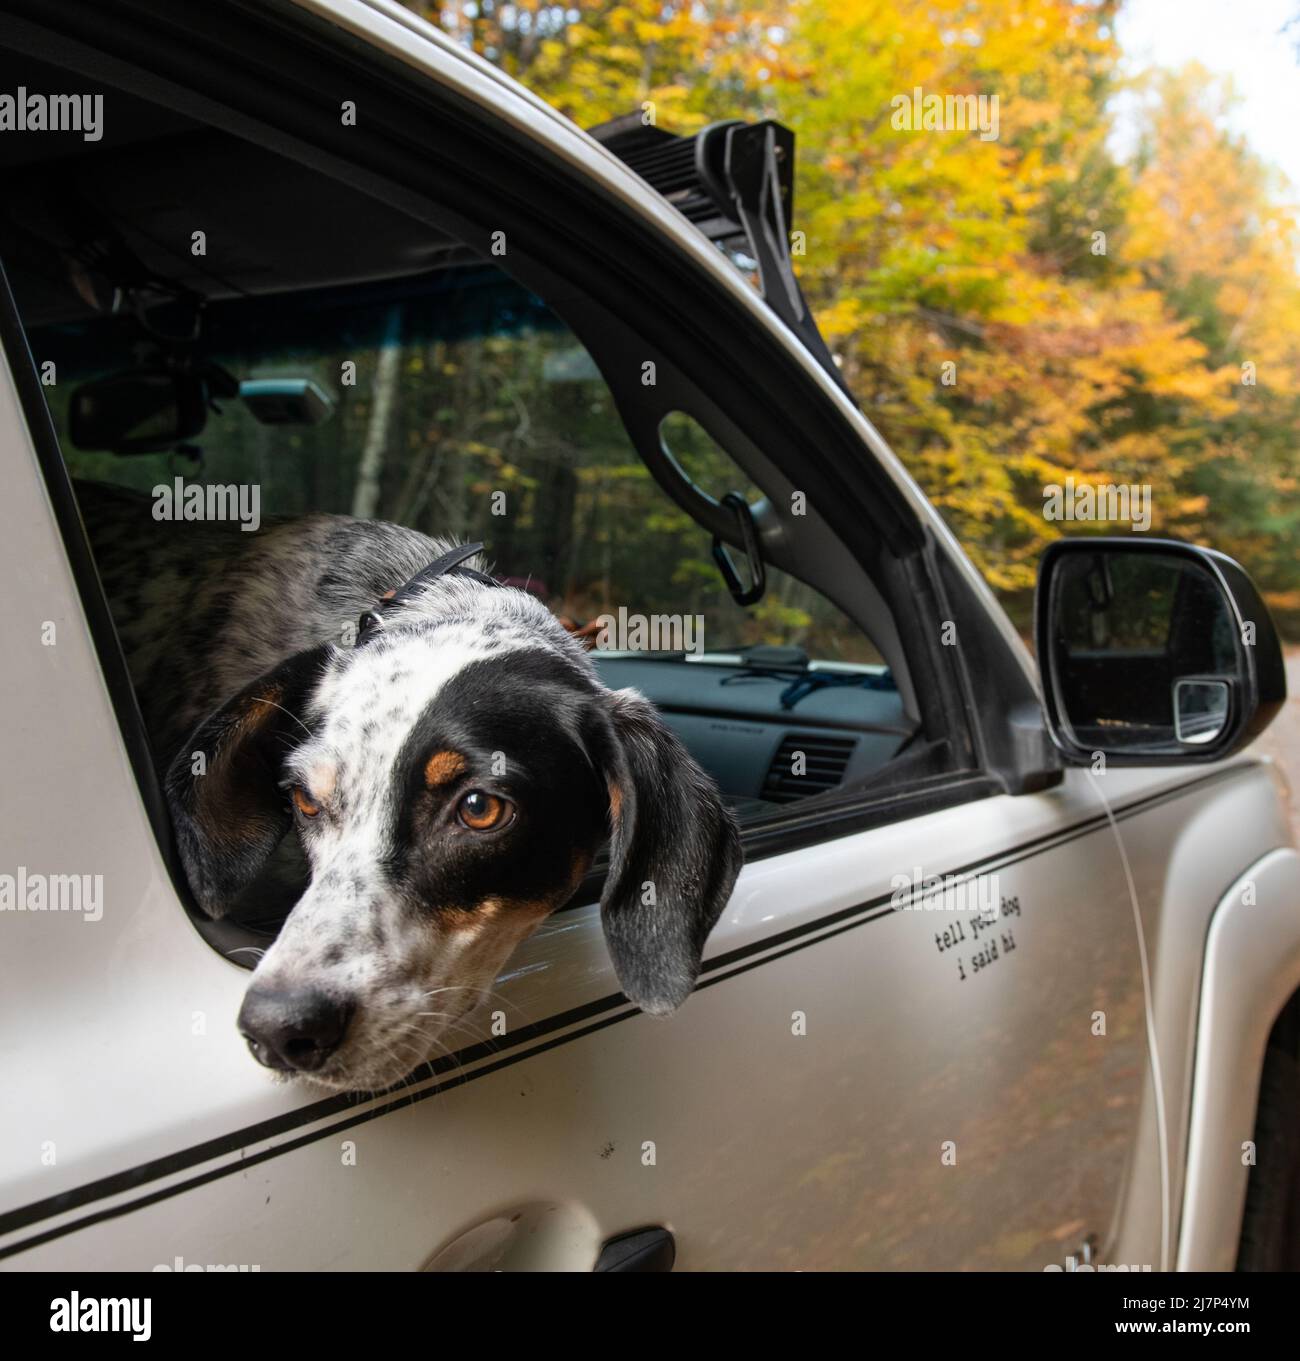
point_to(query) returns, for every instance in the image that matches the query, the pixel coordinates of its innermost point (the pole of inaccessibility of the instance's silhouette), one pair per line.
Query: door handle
(640, 1250)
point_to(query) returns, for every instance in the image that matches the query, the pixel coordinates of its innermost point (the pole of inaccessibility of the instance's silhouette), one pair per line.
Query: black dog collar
(447, 565)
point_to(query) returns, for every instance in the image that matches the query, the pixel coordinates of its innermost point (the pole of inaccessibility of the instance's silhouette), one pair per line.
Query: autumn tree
(1012, 304)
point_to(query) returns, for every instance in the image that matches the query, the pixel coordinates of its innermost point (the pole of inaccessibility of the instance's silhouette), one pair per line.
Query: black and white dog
(450, 769)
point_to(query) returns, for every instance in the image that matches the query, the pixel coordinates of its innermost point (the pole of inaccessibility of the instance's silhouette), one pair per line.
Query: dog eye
(303, 803)
(481, 812)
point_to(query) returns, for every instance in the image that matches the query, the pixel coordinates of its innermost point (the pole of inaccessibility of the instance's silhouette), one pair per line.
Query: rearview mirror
(1153, 652)
(140, 411)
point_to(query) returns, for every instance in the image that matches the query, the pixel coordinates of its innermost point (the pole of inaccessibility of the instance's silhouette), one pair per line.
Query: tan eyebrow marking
(443, 767)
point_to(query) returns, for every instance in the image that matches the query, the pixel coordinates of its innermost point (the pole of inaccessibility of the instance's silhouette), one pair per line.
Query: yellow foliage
(1130, 322)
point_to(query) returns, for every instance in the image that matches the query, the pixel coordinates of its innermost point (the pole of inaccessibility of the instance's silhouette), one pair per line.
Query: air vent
(825, 760)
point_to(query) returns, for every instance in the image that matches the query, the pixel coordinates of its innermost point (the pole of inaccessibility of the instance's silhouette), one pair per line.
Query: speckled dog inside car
(449, 771)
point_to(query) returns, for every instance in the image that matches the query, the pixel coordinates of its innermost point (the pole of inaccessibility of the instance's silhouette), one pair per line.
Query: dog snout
(293, 1030)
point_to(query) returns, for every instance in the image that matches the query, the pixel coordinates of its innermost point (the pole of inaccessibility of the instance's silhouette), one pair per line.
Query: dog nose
(294, 1031)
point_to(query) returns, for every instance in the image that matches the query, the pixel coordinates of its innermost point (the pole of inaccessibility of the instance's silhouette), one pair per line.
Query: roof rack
(734, 182)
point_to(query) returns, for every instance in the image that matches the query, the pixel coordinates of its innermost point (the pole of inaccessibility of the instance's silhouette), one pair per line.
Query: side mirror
(140, 411)
(1153, 652)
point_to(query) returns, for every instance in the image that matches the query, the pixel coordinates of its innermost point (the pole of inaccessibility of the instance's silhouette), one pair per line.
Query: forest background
(1010, 312)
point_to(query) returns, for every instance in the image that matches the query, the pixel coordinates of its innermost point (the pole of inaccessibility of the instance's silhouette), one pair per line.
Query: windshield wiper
(790, 664)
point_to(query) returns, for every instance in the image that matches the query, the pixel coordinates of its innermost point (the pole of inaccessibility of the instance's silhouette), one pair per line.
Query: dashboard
(770, 736)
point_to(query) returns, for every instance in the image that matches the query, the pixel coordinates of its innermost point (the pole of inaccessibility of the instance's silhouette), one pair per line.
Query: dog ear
(223, 786)
(673, 858)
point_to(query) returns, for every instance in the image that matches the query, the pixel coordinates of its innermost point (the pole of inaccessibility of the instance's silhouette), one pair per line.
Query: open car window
(455, 402)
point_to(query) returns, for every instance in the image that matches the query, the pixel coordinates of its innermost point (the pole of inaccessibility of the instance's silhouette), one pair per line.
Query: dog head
(450, 779)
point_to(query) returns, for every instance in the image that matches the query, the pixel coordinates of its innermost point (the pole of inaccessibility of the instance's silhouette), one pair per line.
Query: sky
(1238, 38)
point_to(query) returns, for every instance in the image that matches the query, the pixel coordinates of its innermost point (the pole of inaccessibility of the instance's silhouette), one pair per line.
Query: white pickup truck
(1016, 945)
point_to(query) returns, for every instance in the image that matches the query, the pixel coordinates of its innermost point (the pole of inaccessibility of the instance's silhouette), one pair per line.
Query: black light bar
(734, 182)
